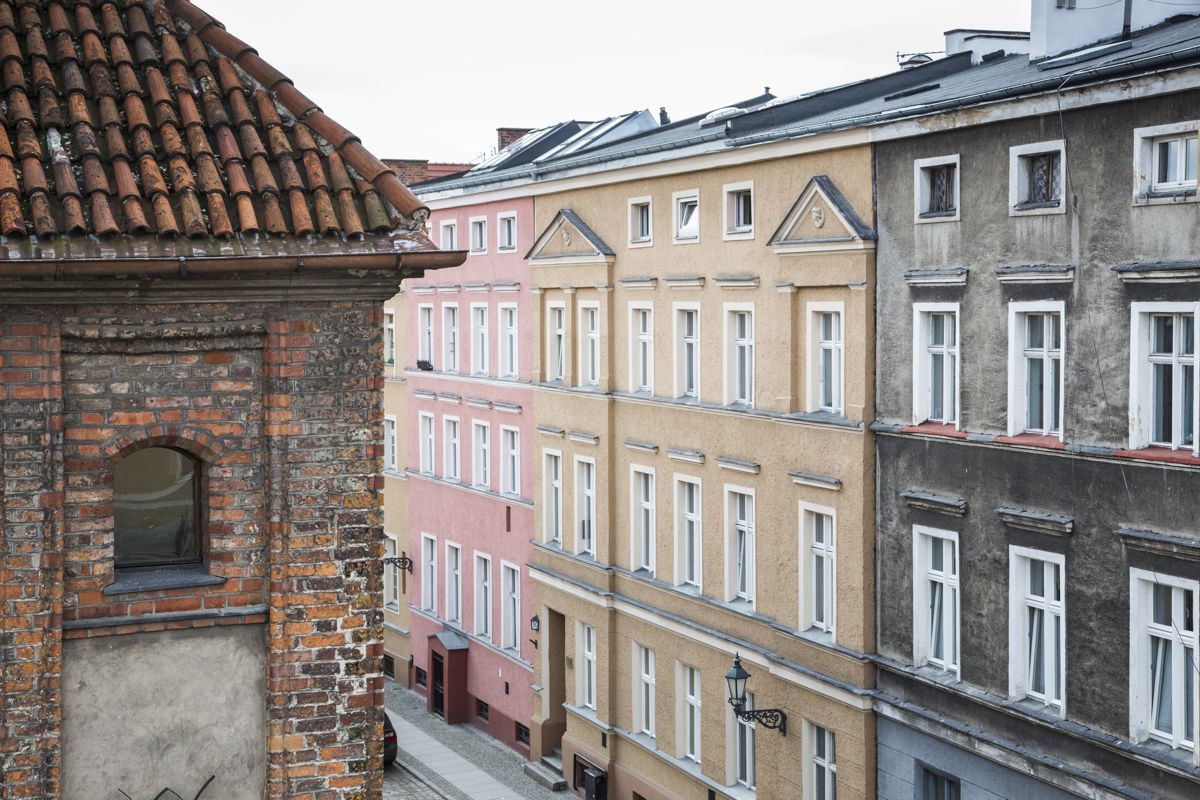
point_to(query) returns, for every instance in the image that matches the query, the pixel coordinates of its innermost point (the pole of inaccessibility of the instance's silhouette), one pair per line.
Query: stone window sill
(152, 579)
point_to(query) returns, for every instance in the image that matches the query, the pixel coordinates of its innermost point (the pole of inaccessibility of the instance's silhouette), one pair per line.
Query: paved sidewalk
(400, 784)
(458, 760)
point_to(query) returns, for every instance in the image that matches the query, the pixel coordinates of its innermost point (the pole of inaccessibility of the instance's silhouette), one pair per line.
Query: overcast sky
(435, 79)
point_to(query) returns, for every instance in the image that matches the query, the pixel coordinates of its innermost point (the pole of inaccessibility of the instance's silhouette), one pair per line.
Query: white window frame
(923, 539)
(552, 491)
(1145, 164)
(425, 332)
(389, 336)
(586, 688)
(1019, 601)
(809, 552)
(510, 461)
(510, 341)
(449, 242)
(677, 201)
(585, 505)
(451, 345)
(503, 216)
(689, 715)
(556, 342)
(452, 448)
(429, 577)
(481, 454)
(643, 690)
(816, 763)
(427, 433)
(681, 522)
(732, 591)
(589, 345)
(510, 608)
(391, 572)
(1141, 627)
(390, 448)
(1141, 389)
(483, 579)
(731, 231)
(921, 358)
(1018, 177)
(633, 204)
(817, 348)
(1018, 382)
(453, 599)
(678, 314)
(480, 339)
(641, 348)
(478, 245)
(643, 539)
(744, 747)
(733, 346)
(923, 188)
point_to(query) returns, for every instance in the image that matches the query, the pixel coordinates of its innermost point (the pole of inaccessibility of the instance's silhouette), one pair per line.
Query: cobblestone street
(400, 784)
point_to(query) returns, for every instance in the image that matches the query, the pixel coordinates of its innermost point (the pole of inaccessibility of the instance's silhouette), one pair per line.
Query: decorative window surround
(583, 438)
(1035, 273)
(816, 481)
(550, 430)
(425, 288)
(1185, 412)
(1037, 627)
(936, 594)
(686, 456)
(477, 231)
(940, 276)
(448, 288)
(506, 287)
(476, 288)
(639, 236)
(1037, 341)
(424, 394)
(645, 447)
(684, 281)
(639, 282)
(452, 399)
(1159, 272)
(685, 217)
(846, 229)
(738, 465)
(506, 408)
(478, 402)
(738, 211)
(506, 235)
(1036, 521)
(736, 281)
(1019, 167)
(937, 503)
(924, 172)
(1150, 187)
(1168, 544)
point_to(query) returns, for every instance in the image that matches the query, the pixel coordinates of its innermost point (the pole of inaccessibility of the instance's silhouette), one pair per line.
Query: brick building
(193, 261)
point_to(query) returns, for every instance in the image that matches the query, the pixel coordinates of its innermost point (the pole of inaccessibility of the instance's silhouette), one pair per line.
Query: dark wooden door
(439, 685)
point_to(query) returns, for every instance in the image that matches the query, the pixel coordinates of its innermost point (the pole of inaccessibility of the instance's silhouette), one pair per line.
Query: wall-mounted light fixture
(736, 680)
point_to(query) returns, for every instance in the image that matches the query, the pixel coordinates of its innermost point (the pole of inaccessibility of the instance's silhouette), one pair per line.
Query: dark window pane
(154, 497)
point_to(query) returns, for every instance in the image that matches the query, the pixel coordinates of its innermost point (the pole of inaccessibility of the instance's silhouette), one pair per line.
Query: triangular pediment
(821, 219)
(569, 240)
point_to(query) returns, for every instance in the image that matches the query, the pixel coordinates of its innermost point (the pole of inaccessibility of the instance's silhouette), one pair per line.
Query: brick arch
(196, 441)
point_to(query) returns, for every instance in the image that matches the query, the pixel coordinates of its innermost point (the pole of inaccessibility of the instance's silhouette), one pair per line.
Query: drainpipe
(1125, 27)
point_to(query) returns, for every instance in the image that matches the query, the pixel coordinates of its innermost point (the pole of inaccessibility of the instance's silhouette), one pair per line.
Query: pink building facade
(467, 409)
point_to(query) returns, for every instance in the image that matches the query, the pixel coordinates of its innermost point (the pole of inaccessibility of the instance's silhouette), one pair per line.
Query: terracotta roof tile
(129, 117)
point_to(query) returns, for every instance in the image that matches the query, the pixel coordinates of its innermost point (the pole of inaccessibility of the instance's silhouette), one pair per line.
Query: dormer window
(156, 509)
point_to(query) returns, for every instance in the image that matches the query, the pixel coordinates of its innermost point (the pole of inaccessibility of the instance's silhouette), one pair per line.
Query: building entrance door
(439, 685)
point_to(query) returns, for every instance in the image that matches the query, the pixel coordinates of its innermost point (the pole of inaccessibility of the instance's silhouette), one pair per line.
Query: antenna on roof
(910, 60)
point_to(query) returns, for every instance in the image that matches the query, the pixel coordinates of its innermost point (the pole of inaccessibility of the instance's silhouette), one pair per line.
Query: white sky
(435, 79)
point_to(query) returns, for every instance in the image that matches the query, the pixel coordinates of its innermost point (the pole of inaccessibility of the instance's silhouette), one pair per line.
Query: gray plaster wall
(148, 711)
(1105, 229)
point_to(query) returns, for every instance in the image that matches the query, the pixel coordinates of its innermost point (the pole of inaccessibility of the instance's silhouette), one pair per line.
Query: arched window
(155, 497)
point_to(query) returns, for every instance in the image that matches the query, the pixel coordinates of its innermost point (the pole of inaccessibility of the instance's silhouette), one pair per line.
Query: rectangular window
(935, 786)
(1036, 368)
(483, 596)
(522, 734)
(819, 581)
(552, 485)
(690, 716)
(556, 343)
(935, 191)
(391, 574)
(935, 368)
(1164, 162)
(425, 334)
(479, 339)
(1164, 406)
(641, 349)
(640, 229)
(510, 461)
(389, 337)
(429, 574)
(481, 456)
(642, 519)
(744, 741)
(587, 672)
(740, 537)
(421, 676)
(589, 346)
(427, 443)
(452, 458)
(450, 338)
(482, 710)
(507, 234)
(643, 690)
(1037, 625)
(739, 210)
(739, 343)
(453, 583)
(510, 621)
(823, 751)
(826, 358)
(687, 216)
(449, 236)
(1163, 659)
(935, 598)
(389, 444)
(508, 341)
(1174, 162)
(585, 506)
(1036, 176)
(479, 234)
(687, 532)
(687, 353)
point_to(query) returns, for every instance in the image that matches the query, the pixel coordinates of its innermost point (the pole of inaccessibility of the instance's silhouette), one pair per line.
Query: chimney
(663, 119)
(1062, 25)
(410, 170)
(506, 136)
(981, 42)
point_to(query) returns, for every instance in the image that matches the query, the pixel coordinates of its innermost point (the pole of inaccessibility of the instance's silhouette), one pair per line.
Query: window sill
(1034, 209)
(938, 216)
(746, 234)
(152, 579)
(641, 242)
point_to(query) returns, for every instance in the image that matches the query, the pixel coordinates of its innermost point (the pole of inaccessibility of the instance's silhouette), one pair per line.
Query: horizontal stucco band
(472, 638)
(855, 697)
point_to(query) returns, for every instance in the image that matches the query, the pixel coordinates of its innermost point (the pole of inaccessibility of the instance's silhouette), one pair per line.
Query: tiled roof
(146, 117)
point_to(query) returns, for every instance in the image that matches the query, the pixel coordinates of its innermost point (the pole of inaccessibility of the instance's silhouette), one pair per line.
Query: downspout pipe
(1127, 25)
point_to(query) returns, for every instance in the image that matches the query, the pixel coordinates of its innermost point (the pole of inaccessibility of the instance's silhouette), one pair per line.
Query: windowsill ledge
(129, 581)
(1045, 207)
(938, 216)
(1163, 197)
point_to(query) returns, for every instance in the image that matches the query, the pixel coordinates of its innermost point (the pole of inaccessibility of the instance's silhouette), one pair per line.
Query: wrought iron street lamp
(768, 717)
